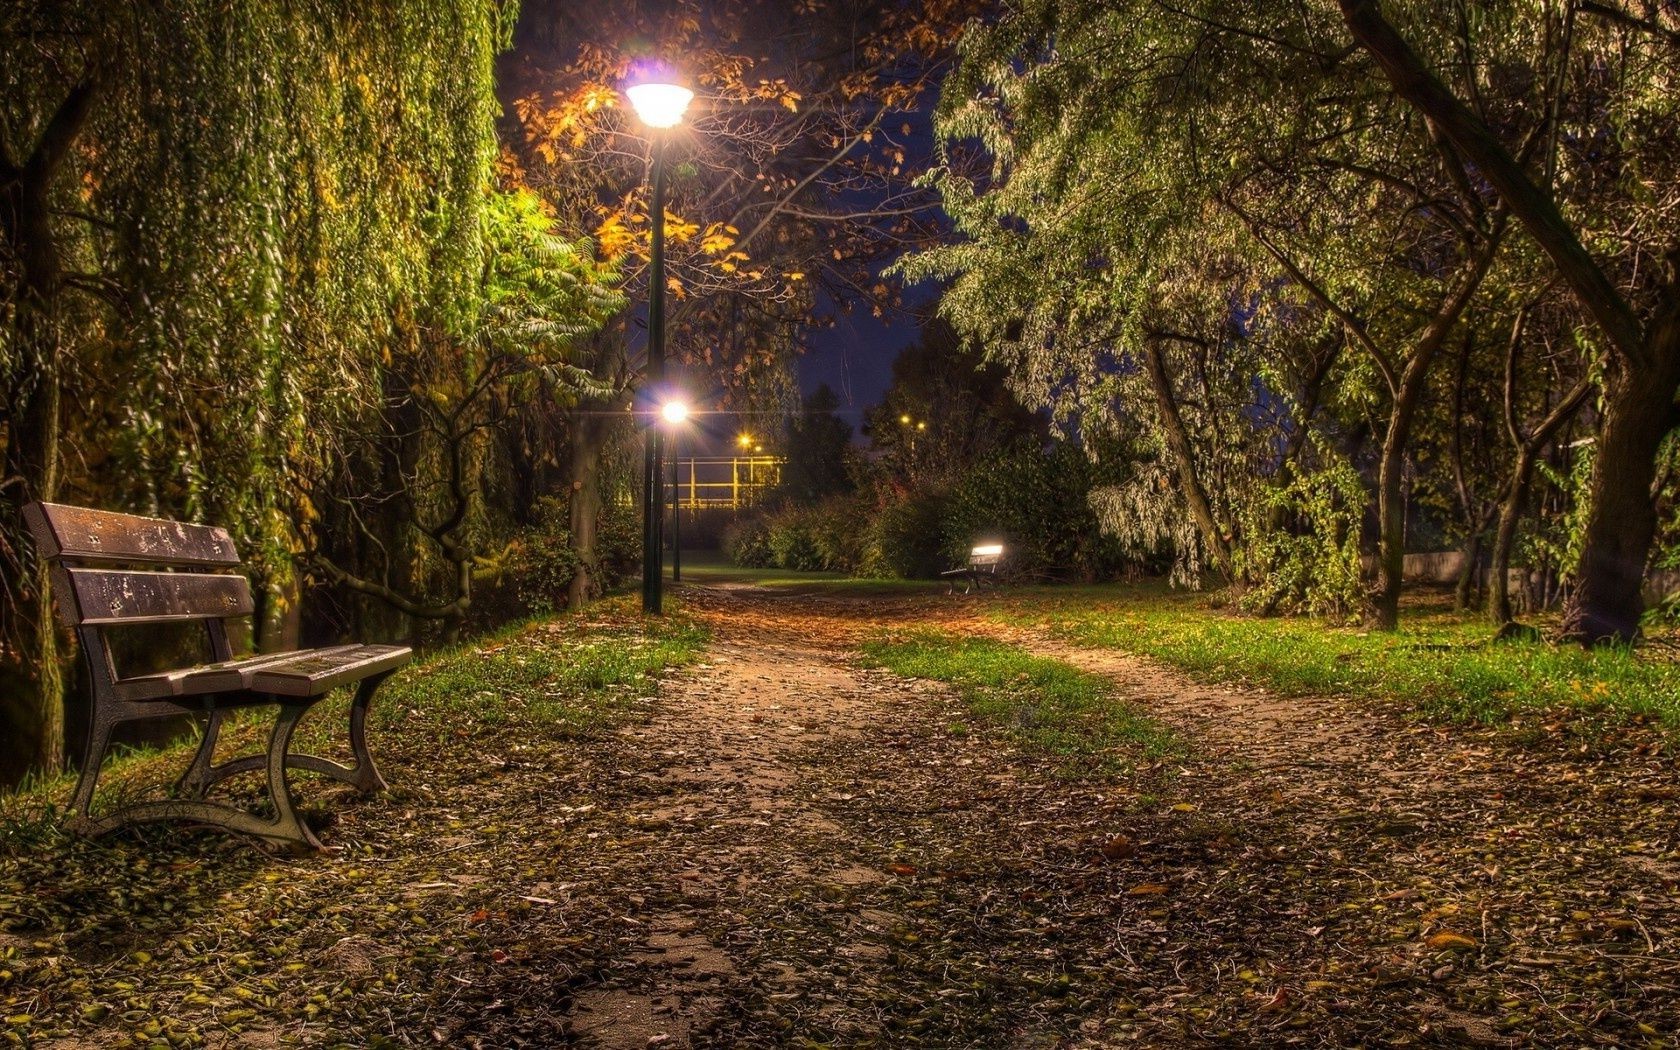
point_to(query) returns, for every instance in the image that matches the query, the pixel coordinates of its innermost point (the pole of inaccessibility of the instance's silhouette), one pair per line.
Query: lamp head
(674, 412)
(660, 104)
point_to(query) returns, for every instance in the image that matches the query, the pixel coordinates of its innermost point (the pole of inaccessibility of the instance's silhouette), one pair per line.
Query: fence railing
(726, 482)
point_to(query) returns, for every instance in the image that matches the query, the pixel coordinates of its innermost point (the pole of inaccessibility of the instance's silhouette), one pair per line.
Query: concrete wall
(1443, 567)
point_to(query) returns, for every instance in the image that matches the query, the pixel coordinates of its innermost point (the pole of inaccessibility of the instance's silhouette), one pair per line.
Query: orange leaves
(678, 230)
(613, 236)
(719, 238)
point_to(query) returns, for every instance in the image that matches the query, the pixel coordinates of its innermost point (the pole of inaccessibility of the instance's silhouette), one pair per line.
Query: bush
(1302, 549)
(746, 542)
(618, 544)
(1037, 503)
(906, 538)
(530, 574)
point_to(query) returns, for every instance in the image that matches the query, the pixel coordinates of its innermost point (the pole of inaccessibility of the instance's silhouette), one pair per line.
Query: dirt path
(781, 847)
(855, 873)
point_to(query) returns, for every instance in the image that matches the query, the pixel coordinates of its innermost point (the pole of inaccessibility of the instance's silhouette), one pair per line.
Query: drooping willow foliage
(221, 225)
(1289, 248)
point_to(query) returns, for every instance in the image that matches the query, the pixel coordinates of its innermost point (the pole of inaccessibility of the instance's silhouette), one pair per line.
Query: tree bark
(1184, 460)
(588, 439)
(1608, 599)
(31, 677)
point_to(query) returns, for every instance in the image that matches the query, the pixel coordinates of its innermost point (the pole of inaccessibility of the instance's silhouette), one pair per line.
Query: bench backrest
(85, 544)
(986, 554)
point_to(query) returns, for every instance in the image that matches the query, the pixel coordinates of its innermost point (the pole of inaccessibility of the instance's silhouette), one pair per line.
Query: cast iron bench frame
(183, 581)
(982, 568)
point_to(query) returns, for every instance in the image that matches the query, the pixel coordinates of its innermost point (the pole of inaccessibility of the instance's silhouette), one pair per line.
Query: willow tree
(1100, 261)
(222, 211)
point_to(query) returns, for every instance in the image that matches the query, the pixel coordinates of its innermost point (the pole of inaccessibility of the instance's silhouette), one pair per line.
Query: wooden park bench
(118, 571)
(981, 569)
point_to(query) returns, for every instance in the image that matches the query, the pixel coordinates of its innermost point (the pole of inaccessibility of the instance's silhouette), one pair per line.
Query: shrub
(746, 542)
(906, 538)
(1037, 503)
(793, 543)
(618, 544)
(1301, 553)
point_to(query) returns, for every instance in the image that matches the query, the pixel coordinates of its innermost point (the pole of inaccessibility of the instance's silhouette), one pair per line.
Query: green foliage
(746, 542)
(541, 293)
(1045, 705)
(1302, 555)
(1037, 503)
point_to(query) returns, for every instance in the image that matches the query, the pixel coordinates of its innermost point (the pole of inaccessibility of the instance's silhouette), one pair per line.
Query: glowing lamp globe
(674, 411)
(660, 105)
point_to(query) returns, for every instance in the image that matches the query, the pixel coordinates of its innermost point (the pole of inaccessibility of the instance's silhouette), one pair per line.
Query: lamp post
(674, 413)
(660, 106)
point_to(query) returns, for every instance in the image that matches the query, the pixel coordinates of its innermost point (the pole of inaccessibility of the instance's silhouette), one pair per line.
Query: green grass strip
(1440, 664)
(1044, 705)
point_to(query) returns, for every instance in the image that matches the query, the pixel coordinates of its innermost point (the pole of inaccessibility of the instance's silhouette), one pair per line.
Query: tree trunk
(588, 437)
(1464, 593)
(1621, 521)
(1391, 521)
(1184, 461)
(31, 676)
(1499, 600)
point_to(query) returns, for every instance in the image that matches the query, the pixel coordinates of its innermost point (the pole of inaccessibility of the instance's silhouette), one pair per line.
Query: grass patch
(1044, 705)
(563, 678)
(1441, 663)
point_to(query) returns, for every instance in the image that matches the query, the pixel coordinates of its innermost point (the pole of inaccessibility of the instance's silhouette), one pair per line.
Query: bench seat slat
(314, 672)
(228, 676)
(84, 534)
(109, 597)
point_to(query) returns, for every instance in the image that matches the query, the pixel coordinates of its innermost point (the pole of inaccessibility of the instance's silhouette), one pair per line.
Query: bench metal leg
(81, 803)
(197, 779)
(363, 775)
(286, 828)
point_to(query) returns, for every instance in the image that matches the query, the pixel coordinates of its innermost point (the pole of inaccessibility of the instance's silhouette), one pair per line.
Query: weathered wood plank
(83, 534)
(108, 597)
(226, 677)
(319, 671)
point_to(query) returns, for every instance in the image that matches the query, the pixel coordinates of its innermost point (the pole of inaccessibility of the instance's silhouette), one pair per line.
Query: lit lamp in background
(660, 104)
(675, 413)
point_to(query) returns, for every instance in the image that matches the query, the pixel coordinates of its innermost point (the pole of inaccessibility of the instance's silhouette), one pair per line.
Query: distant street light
(661, 106)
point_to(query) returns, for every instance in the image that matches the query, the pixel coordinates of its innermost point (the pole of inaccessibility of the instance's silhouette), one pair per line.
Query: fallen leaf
(1446, 940)
(1119, 847)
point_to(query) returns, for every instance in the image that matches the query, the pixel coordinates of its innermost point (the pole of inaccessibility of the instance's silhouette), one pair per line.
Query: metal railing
(724, 482)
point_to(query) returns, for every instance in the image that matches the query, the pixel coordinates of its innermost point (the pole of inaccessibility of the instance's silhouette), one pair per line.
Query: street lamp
(674, 413)
(660, 105)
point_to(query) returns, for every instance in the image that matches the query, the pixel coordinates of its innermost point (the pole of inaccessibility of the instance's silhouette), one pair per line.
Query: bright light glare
(660, 105)
(904, 420)
(990, 548)
(745, 441)
(674, 411)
